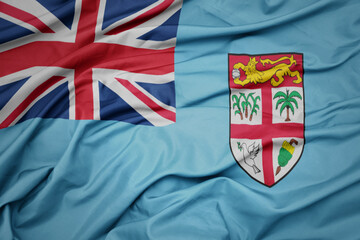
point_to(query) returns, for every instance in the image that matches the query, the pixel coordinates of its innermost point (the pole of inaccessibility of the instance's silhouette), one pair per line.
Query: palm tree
(287, 100)
(255, 106)
(237, 104)
(246, 104)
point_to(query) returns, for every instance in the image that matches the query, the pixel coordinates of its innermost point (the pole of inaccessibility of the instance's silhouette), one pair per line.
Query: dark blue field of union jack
(88, 59)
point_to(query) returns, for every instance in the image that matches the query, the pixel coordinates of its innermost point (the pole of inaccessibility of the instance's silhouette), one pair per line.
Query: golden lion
(254, 76)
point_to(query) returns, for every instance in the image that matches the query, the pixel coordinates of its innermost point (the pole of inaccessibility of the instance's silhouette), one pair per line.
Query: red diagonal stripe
(32, 96)
(150, 103)
(146, 16)
(25, 17)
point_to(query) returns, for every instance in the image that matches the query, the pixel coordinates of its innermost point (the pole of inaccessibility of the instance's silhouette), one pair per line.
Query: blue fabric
(165, 31)
(63, 179)
(113, 107)
(160, 91)
(10, 31)
(62, 9)
(119, 9)
(8, 90)
(53, 105)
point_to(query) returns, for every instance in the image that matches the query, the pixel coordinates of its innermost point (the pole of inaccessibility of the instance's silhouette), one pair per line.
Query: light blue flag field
(193, 119)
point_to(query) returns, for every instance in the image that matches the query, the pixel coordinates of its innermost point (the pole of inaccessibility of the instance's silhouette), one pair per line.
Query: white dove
(251, 153)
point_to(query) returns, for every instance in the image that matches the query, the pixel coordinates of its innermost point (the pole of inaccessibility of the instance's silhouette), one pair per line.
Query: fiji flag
(266, 140)
(109, 60)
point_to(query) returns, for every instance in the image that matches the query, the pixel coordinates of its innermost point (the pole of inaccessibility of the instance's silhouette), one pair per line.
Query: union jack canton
(89, 59)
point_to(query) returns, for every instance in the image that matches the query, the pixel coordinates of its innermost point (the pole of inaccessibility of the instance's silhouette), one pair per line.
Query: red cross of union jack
(86, 56)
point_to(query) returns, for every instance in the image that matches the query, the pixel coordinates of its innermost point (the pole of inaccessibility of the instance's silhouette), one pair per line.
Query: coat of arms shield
(266, 114)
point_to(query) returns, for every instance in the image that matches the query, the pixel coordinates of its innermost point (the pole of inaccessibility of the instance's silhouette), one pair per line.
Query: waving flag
(265, 144)
(88, 60)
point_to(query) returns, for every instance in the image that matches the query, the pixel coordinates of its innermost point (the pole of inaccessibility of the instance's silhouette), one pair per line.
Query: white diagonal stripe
(19, 22)
(62, 33)
(128, 18)
(36, 100)
(154, 99)
(129, 37)
(107, 77)
(40, 75)
(35, 8)
(136, 104)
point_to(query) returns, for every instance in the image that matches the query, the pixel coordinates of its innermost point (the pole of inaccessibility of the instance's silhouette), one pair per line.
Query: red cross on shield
(266, 114)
